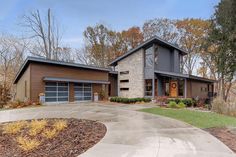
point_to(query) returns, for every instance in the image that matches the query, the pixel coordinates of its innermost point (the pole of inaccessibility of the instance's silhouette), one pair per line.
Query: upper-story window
(148, 58)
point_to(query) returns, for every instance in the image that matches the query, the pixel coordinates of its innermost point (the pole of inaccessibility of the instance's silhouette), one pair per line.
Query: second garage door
(82, 91)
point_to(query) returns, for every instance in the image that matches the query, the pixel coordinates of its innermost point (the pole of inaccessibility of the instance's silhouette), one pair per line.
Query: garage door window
(56, 92)
(83, 91)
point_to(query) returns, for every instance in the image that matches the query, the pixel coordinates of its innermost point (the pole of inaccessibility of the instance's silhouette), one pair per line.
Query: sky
(75, 15)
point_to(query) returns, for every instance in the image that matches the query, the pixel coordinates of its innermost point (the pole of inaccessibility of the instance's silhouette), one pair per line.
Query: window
(124, 72)
(82, 91)
(167, 89)
(148, 87)
(124, 89)
(56, 91)
(148, 58)
(181, 87)
(123, 81)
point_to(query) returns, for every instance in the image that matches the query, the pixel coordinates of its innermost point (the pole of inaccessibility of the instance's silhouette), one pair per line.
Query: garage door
(83, 91)
(56, 92)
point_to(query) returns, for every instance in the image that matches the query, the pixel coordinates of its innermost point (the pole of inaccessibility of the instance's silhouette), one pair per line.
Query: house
(154, 69)
(151, 69)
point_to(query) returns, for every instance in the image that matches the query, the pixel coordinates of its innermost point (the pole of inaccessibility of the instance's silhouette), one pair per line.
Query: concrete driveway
(131, 133)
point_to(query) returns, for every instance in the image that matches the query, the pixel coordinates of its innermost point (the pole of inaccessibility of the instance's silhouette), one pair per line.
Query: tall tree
(223, 36)
(96, 39)
(193, 33)
(45, 35)
(163, 28)
(132, 37)
(11, 57)
(103, 44)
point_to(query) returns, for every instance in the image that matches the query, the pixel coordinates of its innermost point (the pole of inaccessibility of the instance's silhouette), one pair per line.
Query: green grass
(195, 118)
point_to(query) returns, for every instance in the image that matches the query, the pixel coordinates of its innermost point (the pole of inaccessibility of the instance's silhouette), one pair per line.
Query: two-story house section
(154, 68)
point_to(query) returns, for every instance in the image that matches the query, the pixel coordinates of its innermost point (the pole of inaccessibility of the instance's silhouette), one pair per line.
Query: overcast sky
(75, 15)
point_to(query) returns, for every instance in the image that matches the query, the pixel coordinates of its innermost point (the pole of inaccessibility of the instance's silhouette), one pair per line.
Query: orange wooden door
(173, 88)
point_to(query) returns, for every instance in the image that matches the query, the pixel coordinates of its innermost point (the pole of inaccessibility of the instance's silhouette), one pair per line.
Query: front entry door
(173, 88)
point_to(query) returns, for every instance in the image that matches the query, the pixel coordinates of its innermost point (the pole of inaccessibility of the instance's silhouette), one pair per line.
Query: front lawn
(196, 118)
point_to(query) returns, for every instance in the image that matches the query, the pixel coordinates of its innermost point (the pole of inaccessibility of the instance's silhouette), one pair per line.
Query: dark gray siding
(176, 61)
(164, 59)
(168, 60)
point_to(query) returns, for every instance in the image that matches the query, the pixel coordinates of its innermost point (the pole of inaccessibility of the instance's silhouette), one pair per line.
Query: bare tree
(163, 28)
(82, 56)
(44, 33)
(11, 57)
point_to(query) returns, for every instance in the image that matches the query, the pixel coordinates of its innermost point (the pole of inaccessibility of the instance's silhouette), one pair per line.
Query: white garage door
(83, 91)
(56, 92)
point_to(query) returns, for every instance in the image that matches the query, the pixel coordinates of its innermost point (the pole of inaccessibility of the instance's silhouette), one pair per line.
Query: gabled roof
(53, 62)
(146, 43)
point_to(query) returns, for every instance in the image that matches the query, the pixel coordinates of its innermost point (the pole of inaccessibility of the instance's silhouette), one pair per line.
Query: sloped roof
(48, 61)
(154, 39)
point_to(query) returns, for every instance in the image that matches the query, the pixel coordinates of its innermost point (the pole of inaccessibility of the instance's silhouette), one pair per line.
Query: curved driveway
(131, 133)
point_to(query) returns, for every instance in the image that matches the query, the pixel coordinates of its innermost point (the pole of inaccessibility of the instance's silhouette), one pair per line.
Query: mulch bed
(79, 136)
(226, 135)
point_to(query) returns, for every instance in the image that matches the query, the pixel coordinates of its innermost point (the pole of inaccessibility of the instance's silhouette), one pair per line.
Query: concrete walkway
(131, 133)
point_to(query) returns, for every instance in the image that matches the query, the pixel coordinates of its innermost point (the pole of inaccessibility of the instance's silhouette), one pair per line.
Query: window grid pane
(83, 91)
(55, 92)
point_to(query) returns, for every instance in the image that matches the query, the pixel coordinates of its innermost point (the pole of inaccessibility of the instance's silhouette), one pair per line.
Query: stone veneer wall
(135, 65)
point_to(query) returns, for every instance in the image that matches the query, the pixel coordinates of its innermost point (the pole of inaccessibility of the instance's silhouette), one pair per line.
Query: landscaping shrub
(20, 104)
(162, 100)
(129, 100)
(188, 101)
(181, 105)
(172, 104)
(60, 124)
(13, 128)
(219, 106)
(27, 144)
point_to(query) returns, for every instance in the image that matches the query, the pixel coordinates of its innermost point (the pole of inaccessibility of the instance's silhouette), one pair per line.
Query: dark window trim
(124, 89)
(124, 72)
(124, 81)
(148, 92)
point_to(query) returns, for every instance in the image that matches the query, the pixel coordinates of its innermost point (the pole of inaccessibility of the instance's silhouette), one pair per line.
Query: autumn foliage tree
(192, 36)
(103, 44)
(222, 41)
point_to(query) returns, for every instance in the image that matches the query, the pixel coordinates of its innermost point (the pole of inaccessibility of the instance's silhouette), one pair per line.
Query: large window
(148, 87)
(82, 91)
(148, 58)
(56, 92)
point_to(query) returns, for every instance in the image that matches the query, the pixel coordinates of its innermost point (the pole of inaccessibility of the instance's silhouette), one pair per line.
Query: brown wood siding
(189, 89)
(38, 71)
(198, 89)
(22, 93)
(113, 85)
(71, 92)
